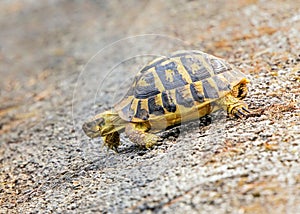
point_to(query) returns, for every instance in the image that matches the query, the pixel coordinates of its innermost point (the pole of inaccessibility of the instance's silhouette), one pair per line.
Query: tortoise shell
(180, 87)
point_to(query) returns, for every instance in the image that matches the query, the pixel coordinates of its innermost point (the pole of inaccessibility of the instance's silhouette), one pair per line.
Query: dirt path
(64, 61)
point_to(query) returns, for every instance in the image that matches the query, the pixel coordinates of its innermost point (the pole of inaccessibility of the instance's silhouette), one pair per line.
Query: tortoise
(168, 91)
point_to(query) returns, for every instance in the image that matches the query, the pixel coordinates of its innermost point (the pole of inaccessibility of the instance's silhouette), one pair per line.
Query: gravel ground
(63, 61)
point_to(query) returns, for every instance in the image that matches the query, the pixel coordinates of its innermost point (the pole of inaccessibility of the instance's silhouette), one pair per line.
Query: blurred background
(63, 61)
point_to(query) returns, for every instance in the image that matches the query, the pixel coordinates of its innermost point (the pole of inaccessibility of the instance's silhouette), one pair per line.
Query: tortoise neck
(113, 122)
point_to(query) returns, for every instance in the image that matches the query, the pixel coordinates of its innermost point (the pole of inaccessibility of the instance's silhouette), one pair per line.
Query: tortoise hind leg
(137, 133)
(234, 106)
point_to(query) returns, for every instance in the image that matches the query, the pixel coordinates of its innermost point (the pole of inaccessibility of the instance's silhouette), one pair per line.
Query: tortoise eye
(100, 121)
(89, 125)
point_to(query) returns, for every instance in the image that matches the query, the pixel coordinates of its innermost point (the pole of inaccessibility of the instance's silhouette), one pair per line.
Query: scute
(176, 85)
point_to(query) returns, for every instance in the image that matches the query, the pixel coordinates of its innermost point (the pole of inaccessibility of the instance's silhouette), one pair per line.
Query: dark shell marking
(141, 113)
(171, 69)
(180, 81)
(154, 108)
(167, 102)
(197, 74)
(145, 91)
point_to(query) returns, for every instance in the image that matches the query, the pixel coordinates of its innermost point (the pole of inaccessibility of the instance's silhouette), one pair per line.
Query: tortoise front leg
(112, 141)
(234, 106)
(137, 133)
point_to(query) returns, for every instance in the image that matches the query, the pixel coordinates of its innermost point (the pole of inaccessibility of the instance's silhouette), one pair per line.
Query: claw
(110, 147)
(160, 139)
(246, 110)
(241, 112)
(115, 149)
(237, 115)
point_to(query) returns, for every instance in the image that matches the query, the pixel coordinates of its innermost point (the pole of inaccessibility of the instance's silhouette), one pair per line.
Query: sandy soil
(64, 61)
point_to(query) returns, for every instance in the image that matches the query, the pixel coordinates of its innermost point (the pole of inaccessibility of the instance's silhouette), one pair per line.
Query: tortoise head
(103, 124)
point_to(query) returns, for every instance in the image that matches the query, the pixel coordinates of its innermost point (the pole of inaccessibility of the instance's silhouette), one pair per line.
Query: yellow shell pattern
(178, 88)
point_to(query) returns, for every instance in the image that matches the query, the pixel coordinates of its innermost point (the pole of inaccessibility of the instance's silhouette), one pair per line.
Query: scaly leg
(112, 141)
(137, 133)
(234, 106)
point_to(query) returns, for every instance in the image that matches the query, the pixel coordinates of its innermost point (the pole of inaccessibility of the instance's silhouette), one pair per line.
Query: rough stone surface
(64, 61)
